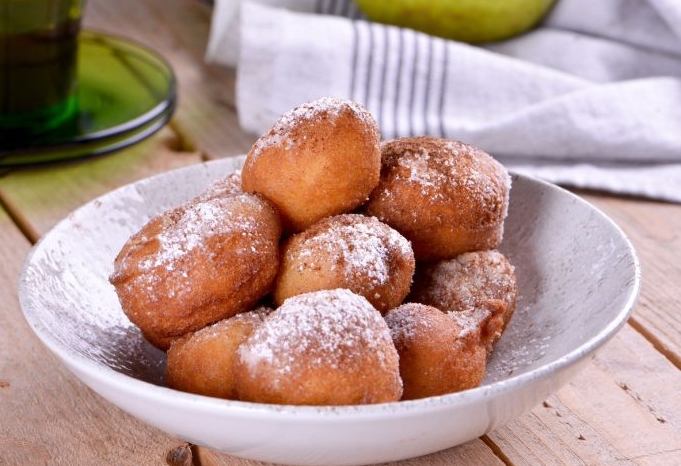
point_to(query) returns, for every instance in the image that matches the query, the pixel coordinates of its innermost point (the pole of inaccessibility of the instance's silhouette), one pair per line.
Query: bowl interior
(577, 275)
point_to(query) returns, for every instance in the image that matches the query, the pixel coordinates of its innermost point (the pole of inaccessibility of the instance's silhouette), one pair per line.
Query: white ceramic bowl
(578, 278)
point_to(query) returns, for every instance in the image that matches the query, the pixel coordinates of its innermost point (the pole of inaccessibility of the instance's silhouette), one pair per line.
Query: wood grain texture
(471, 453)
(46, 415)
(206, 117)
(616, 411)
(41, 197)
(654, 228)
(623, 409)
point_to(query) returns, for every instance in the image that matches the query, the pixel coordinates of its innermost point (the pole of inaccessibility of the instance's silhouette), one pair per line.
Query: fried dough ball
(483, 280)
(445, 196)
(203, 362)
(437, 355)
(488, 317)
(197, 264)
(350, 251)
(319, 159)
(329, 347)
(226, 186)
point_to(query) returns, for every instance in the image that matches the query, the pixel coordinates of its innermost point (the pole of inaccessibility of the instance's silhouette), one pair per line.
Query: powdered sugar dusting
(444, 172)
(323, 328)
(184, 234)
(411, 321)
(226, 186)
(403, 323)
(196, 223)
(330, 108)
(470, 321)
(358, 245)
(461, 283)
(419, 170)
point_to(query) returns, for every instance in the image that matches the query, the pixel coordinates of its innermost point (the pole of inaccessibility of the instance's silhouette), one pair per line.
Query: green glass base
(125, 93)
(17, 125)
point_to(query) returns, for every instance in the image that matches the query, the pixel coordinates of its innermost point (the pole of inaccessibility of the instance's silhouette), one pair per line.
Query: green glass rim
(99, 136)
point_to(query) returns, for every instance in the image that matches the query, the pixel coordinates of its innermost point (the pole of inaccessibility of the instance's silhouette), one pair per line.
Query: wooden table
(623, 409)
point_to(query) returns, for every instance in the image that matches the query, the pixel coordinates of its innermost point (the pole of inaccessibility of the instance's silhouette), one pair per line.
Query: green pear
(471, 21)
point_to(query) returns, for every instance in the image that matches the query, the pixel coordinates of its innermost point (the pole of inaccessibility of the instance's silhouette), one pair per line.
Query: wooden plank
(41, 197)
(37, 393)
(178, 30)
(653, 228)
(46, 415)
(471, 453)
(619, 410)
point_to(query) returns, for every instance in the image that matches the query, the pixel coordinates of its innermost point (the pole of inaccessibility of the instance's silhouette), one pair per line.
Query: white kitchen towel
(591, 99)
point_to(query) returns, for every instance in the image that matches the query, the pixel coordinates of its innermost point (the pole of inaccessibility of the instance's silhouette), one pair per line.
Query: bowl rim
(485, 392)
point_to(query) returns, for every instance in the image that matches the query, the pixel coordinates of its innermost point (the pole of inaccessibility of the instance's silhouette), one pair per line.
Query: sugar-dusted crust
(319, 159)
(350, 251)
(329, 347)
(470, 286)
(437, 354)
(203, 362)
(445, 196)
(196, 264)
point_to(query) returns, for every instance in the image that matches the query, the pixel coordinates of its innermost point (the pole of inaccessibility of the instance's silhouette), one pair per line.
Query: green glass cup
(38, 64)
